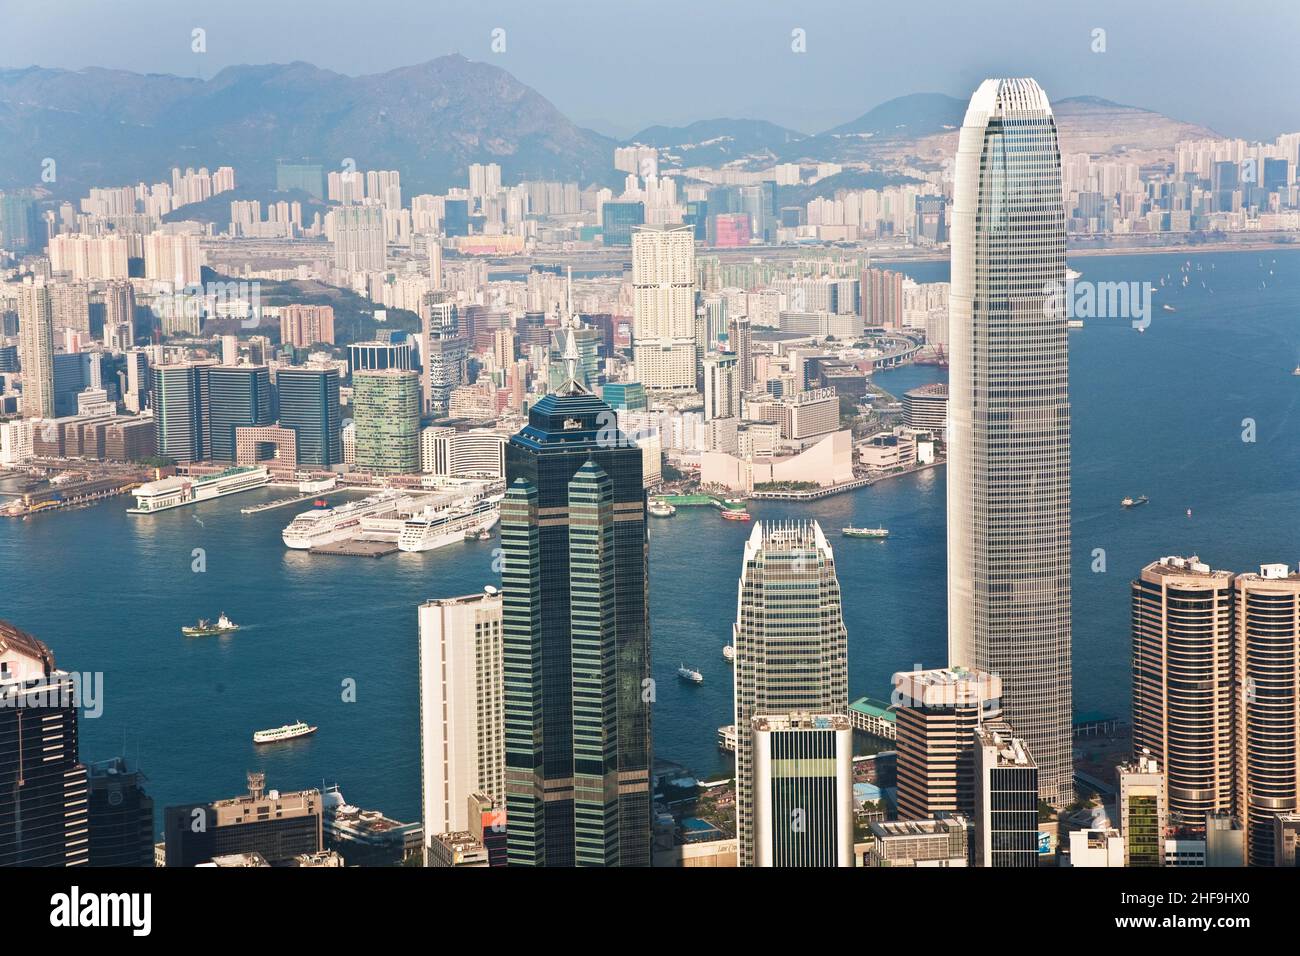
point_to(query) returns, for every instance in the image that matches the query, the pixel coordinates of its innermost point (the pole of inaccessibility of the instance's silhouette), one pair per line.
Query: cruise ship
(437, 527)
(180, 490)
(322, 526)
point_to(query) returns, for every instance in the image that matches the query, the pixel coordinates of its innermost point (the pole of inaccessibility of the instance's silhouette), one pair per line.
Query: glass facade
(238, 397)
(309, 404)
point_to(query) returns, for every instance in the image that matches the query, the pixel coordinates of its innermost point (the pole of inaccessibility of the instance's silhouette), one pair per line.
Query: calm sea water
(1159, 414)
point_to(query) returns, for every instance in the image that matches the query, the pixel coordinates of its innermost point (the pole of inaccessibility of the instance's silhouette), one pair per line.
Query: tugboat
(689, 674)
(206, 628)
(1131, 502)
(288, 732)
(852, 532)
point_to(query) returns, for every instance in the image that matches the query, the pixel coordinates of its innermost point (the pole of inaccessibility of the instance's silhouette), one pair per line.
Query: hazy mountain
(910, 117)
(714, 142)
(106, 127)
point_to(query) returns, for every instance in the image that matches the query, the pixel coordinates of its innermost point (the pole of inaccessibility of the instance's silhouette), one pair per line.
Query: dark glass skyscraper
(180, 394)
(577, 639)
(238, 397)
(309, 404)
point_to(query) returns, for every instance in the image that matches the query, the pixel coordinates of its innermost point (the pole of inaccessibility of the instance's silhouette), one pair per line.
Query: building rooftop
(873, 708)
(18, 641)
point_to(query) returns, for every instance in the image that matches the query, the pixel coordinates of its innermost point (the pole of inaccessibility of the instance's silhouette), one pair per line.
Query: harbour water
(1161, 414)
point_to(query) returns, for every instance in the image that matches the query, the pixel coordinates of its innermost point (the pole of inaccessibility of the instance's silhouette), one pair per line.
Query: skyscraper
(791, 644)
(121, 815)
(36, 349)
(386, 410)
(663, 306)
(238, 397)
(1009, 448)
(1183, 682)
(43, 792)
(803, 790)
(1006, 799)
(309, 404)
(359, 242)
(462, 710)
(180, 398)
(1143, 811)
(577, 641)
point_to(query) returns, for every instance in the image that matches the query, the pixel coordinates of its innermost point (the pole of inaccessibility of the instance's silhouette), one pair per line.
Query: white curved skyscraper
(1009, 420)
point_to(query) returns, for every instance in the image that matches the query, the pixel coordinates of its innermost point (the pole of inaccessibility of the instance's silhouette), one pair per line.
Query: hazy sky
(621, 65)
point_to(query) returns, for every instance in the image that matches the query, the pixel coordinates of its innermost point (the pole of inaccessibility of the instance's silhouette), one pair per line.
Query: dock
(357, 548)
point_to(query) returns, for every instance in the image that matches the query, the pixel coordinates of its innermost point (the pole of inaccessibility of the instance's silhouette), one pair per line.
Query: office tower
(936, 713)
(926, 407)
(135, 394)
(305, 325)
(120, 815)
(740, 341)
(930, 224)
(1183, 682)
(881, 299)
(457, 849)
(790, 640)
(803, 790)
(1225, 841)
(1006, 799)
(180, 401)
(462, 709)
(577, 639)
(1268, 726)
(359, 241)
(909, 843)
(386, 411)
(239, 396)
(21, 229)
(377, 356)
(721, 387)
(174, 259)
(1286, 839)
(625, 396)
(43, 792)
(278, 825)
(309, 404)
(36, 349)
(119, 316)
(619, 221)
(1009, 415)
(1143, 811)
(443, 351)
(663, 306)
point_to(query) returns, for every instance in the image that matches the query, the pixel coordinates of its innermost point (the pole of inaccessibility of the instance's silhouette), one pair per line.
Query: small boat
(1167, 307)
(1189, 512)
(1130, 502)
(728, 653)
(689, 674)
(852, 532)
(1296, 370)
(485, 535)
(288, 732)
(206, 628)
(1074, 323)
(658, 508)
(736, 514)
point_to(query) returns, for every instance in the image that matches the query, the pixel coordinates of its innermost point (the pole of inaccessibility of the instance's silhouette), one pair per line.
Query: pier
(357, 548)
(277, 503)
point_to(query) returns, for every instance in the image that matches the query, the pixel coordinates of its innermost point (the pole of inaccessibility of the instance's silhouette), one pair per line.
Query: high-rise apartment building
(936, 713)
(803, 790)
(462, 709)
(304, 325)
(740, 341)
(1183, 682)
(1006, 799)
(1009, 414)
(663, 306)
(173, 258)
(359, 238)
(721, 387)
(881, 299)
(791, 644)
(386, 411)
(36, 349)
(577, 641)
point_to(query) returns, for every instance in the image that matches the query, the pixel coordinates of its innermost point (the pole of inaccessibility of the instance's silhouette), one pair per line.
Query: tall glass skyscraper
(309, 404)
(791, 646)
(386, 408)
(238, 397)
(1009, 414)
(577, 639)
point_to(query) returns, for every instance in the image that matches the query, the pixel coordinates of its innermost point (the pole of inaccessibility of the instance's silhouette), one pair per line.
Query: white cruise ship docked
(436, 527)
(179, 490)
(313, 529)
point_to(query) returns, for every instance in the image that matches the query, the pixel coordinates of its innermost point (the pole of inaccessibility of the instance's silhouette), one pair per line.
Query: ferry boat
(461, 521)
(658, 508)
(179, 490)
(1296, 371)
(288, 732)
(1167, 307)
(727, 738)
(851, 532)
(689, 674)
(206, 628)
(735, 514)
(312, 529)
(1131, 502)
(728, 653)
